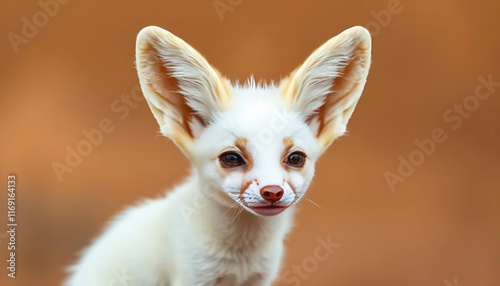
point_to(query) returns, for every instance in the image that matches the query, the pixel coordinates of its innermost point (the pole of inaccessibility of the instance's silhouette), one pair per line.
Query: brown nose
(271, 193)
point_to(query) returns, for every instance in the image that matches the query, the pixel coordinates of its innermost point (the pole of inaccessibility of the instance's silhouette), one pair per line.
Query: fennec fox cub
(253, 148)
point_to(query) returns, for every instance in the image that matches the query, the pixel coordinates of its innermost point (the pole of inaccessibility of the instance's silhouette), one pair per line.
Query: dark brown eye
(296, 159)
(231, 159)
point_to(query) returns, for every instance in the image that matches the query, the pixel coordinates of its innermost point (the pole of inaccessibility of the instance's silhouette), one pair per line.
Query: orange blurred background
(441, 226)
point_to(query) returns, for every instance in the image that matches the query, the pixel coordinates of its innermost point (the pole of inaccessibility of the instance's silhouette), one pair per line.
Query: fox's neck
(230, 225)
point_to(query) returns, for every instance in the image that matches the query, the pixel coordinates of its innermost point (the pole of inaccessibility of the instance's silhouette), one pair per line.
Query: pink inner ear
(167, 88)
(342, 86)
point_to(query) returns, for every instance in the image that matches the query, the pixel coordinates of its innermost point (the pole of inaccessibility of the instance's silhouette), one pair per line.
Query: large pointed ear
(183, 91)
(326, 88)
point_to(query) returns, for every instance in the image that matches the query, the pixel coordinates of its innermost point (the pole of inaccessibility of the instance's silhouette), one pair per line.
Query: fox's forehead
(259, 116)
(254, 108)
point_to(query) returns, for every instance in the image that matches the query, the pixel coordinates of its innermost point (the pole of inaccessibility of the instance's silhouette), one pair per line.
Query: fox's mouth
(268, 210)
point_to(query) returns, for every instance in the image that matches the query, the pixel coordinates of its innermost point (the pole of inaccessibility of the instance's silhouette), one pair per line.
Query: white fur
(205, 232)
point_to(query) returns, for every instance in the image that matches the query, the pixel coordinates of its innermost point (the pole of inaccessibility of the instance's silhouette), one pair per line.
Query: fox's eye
(296, 159)
(231, 159)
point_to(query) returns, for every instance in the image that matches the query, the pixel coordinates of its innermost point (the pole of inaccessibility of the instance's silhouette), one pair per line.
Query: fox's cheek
(232, 182)
(298, 183)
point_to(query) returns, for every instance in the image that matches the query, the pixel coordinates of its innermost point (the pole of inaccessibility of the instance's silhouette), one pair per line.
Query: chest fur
(231, 269)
